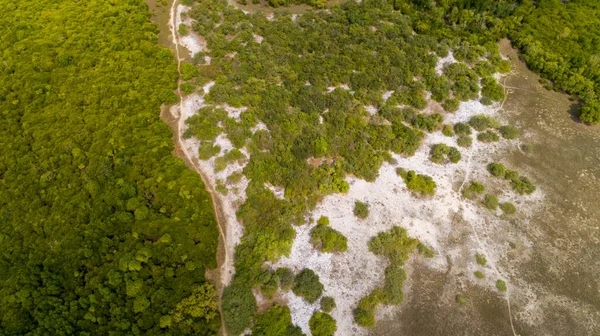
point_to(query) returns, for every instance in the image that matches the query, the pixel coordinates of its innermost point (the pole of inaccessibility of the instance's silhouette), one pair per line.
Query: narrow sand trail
(226, 265)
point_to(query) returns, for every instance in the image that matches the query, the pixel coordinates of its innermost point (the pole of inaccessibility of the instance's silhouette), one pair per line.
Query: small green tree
(322, 324)
(361, 209)
(327, 304)
(307, 285)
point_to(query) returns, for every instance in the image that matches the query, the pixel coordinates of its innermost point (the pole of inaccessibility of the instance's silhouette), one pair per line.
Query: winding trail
(219, 216)
(481, 245)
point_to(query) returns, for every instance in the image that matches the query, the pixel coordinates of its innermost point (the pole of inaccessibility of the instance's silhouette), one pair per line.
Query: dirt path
(219, 216)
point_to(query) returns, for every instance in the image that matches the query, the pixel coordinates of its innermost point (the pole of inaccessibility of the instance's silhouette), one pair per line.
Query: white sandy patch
(343, 86)
(443, 61)
(279, 192)
(233, 112)
(386, 95)
(191, 41)
(372, 110)
(258, 38)
(260, 126)
(351, 275)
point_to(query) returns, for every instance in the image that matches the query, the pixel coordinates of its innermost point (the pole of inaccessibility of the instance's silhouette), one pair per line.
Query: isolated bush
(420, 185)
(496, 169)
(481, 260)
(307, 285)
(488, 136)
(523, 185)
(490, 202)
(327, 304)
(323, 220)
(510, 174)
(441, 153)
(508, 208)
(479, 275)
(322, 324)
(501, 285)
(509, 132)
(465, 141)
(361, 209)
(326, 239)
(474, 188)
(461, 299)
(451, 105)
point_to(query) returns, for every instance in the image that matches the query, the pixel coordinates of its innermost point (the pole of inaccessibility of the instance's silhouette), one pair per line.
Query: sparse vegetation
(473, 189)
(509, 132)
(361, 209)
(501, 285)
(465, 141)
(418, 184)
(461, 299)
(286, 278)
(488, 136)
(496, 169)
(523, 185)
(481, 260)
(482, 122)
(508, 208)
(462, 129)
(490, 202)
(479, 274)
(447, 131)
(439, 153)
(327, 304)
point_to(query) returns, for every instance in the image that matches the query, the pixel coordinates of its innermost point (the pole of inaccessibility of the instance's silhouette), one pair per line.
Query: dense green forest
(103, 230)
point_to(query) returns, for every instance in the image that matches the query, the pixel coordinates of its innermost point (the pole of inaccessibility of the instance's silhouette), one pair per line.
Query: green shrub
(235, 177)
(440, 152)
(269, 282)
(277, 320)
(364, 314)
(238, 305)
(479, 275)
(419, 185)
(487, 101)
(327, 304)
(474, 188)
(451, 105)
(326, 239)
(501, 285)
(307, 285)
(447, 131)
(321, 324)
(323, 220)
(233, 155)
(183, 30)
(221, 188)
(510, 174)
(490, 202)
(481, 260)
(523, 185)
(464, 141)
(496, 169)
(482, 122)
(286, 278)
(508, 208)
(206, 150)
(461, 299)
(462, 129)
(188, 71)
(509, 132)
(361, 210)
(488, 136)
(187, 88)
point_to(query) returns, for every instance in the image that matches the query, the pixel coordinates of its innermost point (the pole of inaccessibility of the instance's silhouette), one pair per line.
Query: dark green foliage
(523, 185)
(488, 136)
(473, 189)
(235, 177)
(307, 285)
(269, 282)
(204, 124)
(103, 230)
(238, 305)
(509, 132)
(183, 29)
(361, 209)
(276, 321)
(560, 41)
(327, 304)
(482, 122)
(462, 129)
(491, 89)
(188, 71)
(490, 202)
(396, 246)
(481, 260)
(286, 278)
(464, 141)
(326, 239)
(322, 324)
(496, 169)
(508, 208)
(451, 105)
(418, 184)
(187, 88)
(501, 285)
(206, 150)
(441, 153)
(479, 274)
